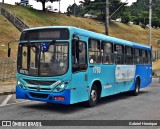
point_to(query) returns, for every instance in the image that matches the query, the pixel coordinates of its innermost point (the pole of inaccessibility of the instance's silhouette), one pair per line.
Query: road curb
(7, 93)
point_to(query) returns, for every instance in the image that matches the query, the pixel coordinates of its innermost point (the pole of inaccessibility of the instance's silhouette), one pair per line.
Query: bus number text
(97, 70)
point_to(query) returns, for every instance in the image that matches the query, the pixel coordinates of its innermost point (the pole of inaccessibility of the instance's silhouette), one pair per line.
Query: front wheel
(93, 97)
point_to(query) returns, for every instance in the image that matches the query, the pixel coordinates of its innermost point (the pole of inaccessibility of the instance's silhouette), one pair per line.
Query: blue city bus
(67, 65)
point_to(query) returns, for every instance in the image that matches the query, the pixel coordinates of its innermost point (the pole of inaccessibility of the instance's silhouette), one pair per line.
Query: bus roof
(95, 35)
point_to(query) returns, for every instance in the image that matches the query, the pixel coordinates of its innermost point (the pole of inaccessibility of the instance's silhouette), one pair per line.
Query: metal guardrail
(7, 67)
(7, 70)
(155, 55)
(20, 25)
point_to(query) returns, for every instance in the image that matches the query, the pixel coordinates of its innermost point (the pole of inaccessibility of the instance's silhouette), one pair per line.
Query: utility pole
(2, 1)
(59, 7)
(74, 8)
(150, 23)
(107, 18)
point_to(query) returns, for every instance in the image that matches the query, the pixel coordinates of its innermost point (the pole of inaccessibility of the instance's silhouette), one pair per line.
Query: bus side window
(144, 57)
(94, 51)
(128, 55)
(137, 58)
(119, 50)
(107, 53)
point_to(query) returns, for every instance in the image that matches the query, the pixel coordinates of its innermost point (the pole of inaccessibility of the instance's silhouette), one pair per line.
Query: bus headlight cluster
(60, 87)
(21, 85)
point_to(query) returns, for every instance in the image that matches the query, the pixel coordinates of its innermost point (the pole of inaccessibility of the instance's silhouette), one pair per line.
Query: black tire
(93, 98)
(135, 92)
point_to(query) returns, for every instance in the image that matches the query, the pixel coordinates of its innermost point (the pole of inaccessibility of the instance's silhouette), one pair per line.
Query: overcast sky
(64, 3)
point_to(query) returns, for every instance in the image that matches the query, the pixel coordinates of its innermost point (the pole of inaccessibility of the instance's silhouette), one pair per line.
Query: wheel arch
(134, 81)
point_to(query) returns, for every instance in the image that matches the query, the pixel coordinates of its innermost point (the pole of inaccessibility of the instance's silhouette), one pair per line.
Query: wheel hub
(93, 95)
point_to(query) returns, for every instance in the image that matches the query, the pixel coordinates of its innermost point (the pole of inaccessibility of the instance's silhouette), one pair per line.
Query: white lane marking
(6, 100)
(15, 103)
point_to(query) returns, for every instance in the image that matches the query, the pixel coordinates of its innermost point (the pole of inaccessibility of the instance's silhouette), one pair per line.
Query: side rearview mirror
(9, 52)
(9, 49)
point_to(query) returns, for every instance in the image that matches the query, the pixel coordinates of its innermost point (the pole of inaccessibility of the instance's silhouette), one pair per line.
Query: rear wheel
(93, 97)
(135, 92)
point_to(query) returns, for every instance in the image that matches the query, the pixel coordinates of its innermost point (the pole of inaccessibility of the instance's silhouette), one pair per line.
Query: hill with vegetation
(137, 12)
(36, 18)
(8, 33)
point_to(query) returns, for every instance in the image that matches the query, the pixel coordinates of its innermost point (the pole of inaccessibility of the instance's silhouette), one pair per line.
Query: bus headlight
(21, 85)
(59, 88)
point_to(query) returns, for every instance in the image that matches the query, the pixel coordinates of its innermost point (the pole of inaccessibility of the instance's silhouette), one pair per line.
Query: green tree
(85, 2)
(74, 7)
(155, 21)
(137, 11)
(144, 16)
(97, 7)
(156, 11)
(114, 5)
(126, 16)
(44, 2)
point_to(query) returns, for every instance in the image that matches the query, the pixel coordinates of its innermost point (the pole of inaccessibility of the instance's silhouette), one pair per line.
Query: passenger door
(79, 85)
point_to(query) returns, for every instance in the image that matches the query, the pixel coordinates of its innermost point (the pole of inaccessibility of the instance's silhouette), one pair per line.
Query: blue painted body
(26, 94)
(80, 83)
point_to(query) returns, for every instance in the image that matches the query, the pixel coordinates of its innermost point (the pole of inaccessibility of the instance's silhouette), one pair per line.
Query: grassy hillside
(135, 33)
(35, 18)
(156, 65)
(7, 33)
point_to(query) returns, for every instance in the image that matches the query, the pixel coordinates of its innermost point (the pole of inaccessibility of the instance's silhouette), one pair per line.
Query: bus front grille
(38, 82)
(37, 95)
(41, 89)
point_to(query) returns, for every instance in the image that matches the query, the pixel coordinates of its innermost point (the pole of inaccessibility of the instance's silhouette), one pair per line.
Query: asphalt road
(145, 106)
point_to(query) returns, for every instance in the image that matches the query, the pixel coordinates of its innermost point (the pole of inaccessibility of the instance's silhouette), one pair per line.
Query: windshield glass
(43, 59)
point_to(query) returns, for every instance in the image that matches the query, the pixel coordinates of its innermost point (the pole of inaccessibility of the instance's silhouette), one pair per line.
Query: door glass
(24, 57)
(79, 56)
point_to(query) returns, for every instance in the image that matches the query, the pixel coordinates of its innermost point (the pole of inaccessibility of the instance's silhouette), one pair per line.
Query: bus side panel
(112, 86)
(79, 88)
(123, 86)
(144, 72)
(149, 72)
(124, 75)
(107, 77)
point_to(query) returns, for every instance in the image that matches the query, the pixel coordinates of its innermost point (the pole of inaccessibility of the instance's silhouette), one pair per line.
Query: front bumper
(43, 96)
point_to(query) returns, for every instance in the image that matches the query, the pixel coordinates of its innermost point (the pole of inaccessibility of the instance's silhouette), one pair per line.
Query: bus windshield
(43, 59)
